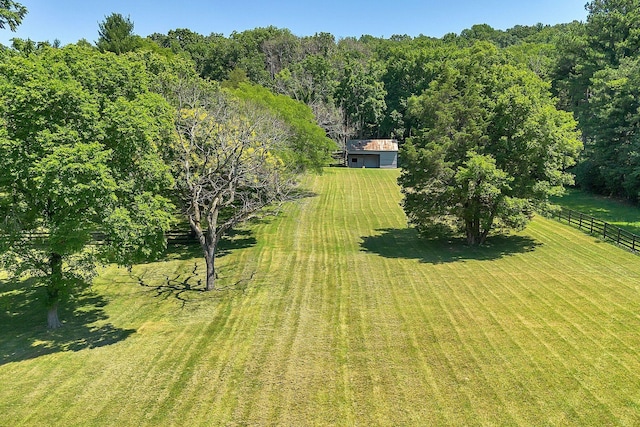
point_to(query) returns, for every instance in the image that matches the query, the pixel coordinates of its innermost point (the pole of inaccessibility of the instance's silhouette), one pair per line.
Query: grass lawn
(336, 314)
(614, 211)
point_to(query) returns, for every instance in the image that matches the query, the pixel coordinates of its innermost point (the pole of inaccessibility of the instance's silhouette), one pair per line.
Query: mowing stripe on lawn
(339, 315)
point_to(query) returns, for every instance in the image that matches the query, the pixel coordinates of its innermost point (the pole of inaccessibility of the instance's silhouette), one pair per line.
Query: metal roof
(372, 145)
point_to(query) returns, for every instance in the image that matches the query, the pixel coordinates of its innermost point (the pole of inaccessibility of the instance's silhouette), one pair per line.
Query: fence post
(593, 225)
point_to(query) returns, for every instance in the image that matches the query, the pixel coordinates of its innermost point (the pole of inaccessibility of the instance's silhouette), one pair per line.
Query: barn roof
(359, 145)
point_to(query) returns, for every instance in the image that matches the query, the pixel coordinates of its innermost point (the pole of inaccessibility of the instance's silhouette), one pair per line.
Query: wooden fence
(607, 231)
(177, 237)
(180, 237)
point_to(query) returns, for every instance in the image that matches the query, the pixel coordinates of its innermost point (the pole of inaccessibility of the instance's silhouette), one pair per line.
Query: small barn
(372, 153)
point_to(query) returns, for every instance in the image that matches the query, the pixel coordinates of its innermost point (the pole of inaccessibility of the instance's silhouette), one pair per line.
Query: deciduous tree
(75, 162)
(229, 165)
(491, 147)
(308, 146)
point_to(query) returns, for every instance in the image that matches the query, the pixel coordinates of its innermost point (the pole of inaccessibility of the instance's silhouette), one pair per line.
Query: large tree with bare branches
(228, 162)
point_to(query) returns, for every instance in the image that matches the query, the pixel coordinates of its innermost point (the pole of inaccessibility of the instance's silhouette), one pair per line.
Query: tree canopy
(490, 146)
(228, 161)
(308, 146)
(116, 35)
(81, 159)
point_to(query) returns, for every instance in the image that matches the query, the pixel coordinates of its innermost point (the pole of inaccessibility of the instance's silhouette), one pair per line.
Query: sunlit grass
(336, 314)
(623, 214)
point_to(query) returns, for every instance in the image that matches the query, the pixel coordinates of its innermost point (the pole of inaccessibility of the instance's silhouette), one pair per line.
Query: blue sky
(71, 20)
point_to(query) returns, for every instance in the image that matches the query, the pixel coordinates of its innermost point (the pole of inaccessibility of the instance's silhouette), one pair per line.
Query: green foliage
(311, 80)
(116, 35)
(361, 93)
(308, 145)
(11, 14)
(409, 69)
(235, 77)
(81, 150)
(596, 78)
(612, 160)
(613, 29)
(479, 190)
(490, 147)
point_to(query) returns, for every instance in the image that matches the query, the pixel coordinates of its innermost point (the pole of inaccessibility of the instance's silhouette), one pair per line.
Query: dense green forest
(362, 87)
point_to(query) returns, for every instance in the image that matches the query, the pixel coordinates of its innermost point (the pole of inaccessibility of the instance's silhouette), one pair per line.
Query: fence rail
(177, 237)
(180, 237)
(598, 227)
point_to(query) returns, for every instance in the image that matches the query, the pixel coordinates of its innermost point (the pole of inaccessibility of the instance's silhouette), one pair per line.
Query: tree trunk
(210, 259)
(53, 322)
(53, 291)
(208, 244)
(475, 236)
(472, 231)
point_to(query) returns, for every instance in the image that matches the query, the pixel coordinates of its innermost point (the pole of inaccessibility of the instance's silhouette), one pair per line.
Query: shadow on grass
(182, 286)
(406, 243)
(23, 316)
(236, 239)
(302, 193)
(189, 281)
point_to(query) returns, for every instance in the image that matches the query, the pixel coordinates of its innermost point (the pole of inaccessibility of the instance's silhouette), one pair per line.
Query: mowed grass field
(336, 314)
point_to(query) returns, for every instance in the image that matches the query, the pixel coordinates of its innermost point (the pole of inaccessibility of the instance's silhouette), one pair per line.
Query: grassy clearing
(337, 315)
(617, 212)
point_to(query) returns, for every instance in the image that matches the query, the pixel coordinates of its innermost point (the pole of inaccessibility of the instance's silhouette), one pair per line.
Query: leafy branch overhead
(11, 14)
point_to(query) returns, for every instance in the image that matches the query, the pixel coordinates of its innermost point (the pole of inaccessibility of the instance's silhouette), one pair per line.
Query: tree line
(362, 87)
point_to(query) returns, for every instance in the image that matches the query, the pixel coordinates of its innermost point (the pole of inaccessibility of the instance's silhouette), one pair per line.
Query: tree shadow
(302, 193)
(183, 285)
(236, 239)
(406, 243)
(25, 336)
(185, 249)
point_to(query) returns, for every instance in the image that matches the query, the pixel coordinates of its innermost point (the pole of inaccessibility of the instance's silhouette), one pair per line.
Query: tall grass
(336, 314)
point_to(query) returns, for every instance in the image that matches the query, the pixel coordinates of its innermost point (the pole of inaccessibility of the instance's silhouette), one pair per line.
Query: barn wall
(381, 159)
(388, 159)
(363, 160)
